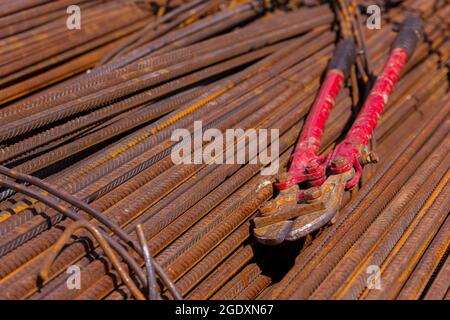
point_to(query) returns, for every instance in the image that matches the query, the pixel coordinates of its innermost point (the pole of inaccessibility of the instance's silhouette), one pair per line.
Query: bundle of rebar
(100, 144)
(38, 48)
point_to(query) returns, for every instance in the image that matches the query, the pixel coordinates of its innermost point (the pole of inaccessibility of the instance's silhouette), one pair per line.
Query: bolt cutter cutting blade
(332, 193)
(284, 219)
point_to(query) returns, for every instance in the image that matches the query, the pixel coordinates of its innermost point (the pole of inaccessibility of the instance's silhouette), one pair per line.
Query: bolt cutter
(297, 211)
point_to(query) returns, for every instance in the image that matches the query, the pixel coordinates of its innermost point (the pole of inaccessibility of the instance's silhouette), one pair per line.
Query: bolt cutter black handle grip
(409, 35)
(344, 57)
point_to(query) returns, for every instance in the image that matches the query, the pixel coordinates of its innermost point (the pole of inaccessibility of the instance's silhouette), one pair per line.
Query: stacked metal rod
(105, 138)
(37, 48)
(394, 231)
(261, 269)
(109, 179)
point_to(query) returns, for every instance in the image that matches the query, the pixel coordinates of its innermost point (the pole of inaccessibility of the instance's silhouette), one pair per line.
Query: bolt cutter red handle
(306, 163)
(347, 154)
(284, 218)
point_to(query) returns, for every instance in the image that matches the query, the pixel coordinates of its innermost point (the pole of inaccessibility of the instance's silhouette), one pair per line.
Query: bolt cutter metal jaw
(286, 219)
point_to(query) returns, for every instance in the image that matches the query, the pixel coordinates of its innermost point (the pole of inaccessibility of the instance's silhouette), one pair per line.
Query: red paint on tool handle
(307, 148)
(346, 153)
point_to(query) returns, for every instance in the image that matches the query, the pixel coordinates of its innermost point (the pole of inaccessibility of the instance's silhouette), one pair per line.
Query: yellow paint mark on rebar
(5, 214)
(412, 226)
(341, 292)
(17, 208)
